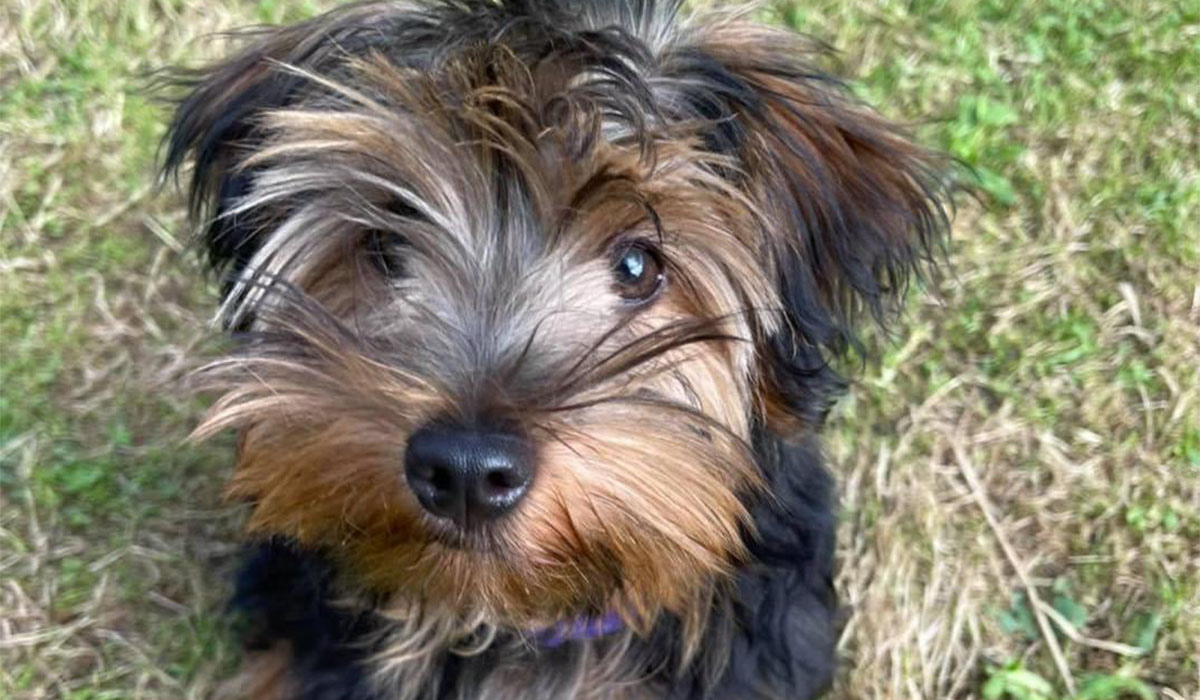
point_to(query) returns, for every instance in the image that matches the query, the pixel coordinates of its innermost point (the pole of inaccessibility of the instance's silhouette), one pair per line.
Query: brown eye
(638, 272)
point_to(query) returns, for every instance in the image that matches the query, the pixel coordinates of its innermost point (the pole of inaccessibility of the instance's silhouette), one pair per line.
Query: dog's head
(519, 283)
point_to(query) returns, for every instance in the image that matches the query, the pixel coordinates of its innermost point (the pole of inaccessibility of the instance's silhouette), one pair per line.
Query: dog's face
(521, 287)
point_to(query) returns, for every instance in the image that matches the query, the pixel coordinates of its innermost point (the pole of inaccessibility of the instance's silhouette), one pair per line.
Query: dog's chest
(612, 669)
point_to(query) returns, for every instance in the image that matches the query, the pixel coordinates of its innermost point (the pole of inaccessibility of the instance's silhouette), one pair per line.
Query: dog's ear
(215, 126)
(852, 206)
(218, 122)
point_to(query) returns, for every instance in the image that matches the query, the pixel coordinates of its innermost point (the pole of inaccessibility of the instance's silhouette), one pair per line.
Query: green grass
(1057, 364)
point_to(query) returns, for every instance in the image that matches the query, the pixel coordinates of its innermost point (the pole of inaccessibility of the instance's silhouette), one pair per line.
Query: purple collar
(579, 628)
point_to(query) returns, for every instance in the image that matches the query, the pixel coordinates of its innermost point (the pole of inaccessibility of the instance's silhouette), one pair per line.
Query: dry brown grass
(923, 568)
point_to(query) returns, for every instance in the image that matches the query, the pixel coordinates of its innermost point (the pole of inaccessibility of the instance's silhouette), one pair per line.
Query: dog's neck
(579, 628)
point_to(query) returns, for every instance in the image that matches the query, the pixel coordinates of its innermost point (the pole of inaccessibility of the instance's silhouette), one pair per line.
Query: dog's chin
(474, 606)
(471, 576)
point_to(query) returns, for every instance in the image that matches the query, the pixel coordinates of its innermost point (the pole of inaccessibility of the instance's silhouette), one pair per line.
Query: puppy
(535, 304)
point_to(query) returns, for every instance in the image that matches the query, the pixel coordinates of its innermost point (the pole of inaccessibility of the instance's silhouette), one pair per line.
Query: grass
(1020, 471)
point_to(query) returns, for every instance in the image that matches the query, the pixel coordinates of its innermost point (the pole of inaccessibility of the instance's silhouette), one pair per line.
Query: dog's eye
(638, 272)
(384, 250)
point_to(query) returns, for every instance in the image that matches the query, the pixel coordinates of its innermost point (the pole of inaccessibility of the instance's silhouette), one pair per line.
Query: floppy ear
(214, 127)
(218, 121)
(852, 206)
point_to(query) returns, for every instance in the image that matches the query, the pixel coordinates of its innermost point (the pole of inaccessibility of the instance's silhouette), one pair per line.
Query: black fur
(285, 595)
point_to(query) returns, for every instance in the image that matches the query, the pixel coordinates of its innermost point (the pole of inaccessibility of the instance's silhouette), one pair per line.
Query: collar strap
(579, 628)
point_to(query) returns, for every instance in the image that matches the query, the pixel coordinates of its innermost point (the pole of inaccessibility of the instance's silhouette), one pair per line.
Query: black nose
(470, 476)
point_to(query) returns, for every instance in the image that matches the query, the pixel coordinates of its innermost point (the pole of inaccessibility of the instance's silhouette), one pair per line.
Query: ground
(1019, 468)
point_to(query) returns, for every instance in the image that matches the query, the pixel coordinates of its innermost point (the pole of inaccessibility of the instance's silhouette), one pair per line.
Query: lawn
(1019, 468)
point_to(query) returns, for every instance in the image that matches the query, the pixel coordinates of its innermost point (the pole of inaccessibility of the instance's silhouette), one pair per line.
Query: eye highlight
(637, 272)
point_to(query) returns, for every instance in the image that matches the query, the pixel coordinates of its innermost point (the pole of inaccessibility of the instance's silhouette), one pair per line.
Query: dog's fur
(415, 208)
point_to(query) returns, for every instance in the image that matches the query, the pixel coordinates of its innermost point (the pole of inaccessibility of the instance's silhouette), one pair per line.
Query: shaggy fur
(416, 209)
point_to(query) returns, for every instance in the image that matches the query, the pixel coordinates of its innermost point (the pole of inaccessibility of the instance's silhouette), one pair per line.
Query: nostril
(502, 480)
(440, 479)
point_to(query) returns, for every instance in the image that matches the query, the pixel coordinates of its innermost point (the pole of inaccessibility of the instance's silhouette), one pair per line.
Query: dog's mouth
(473, 541)
(488, 541)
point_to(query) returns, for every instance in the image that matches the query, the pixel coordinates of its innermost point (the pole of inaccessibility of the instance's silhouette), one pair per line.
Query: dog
(538, 308)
